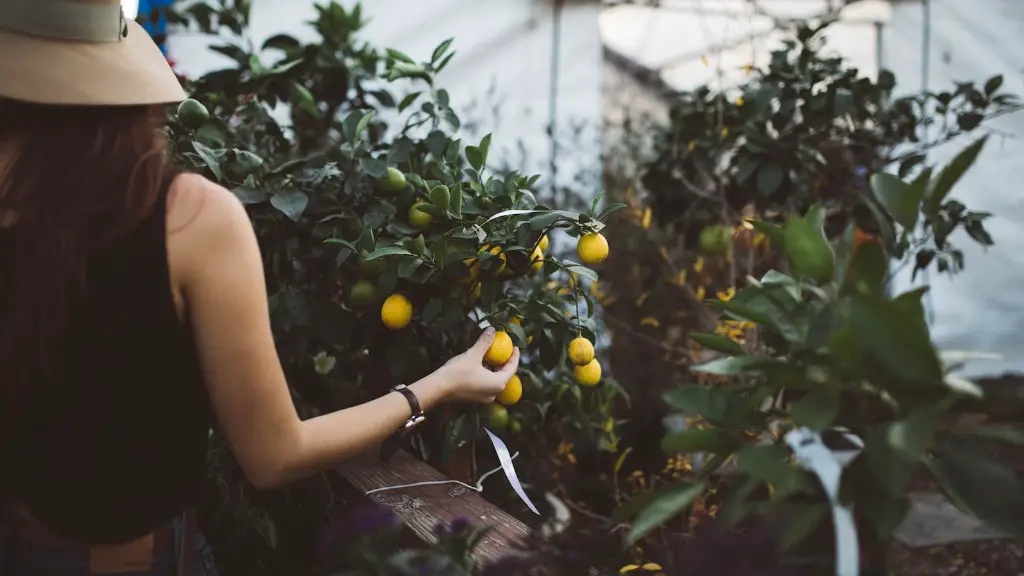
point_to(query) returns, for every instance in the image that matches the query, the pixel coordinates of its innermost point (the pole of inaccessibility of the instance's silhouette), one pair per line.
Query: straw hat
(80, 52)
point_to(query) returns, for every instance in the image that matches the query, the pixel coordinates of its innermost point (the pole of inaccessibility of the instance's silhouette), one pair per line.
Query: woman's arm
(216, 262)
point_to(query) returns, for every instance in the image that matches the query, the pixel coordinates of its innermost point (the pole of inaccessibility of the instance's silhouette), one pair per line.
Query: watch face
(414, 421)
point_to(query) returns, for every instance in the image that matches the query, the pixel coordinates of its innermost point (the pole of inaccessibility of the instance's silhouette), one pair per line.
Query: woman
(134, 312)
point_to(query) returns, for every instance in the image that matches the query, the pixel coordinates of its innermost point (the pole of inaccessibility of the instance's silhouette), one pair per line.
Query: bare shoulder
(207, 228)
(197, 206)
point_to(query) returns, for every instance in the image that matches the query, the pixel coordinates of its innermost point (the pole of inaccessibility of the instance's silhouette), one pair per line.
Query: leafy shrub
(808, 129)
(839, 355)
(347, 159)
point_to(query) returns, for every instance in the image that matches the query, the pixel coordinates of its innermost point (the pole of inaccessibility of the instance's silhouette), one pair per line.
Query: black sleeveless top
(116, 442)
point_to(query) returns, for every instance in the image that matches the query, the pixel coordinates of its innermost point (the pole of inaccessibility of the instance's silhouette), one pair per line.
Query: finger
(483, 343)
(510, 367)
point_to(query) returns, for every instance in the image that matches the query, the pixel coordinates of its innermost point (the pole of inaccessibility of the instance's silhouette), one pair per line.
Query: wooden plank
(421, 508)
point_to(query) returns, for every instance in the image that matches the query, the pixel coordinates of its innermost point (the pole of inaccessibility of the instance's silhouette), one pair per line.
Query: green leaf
(399, 56)
(716, 405)
(247, 195)
(291, 203)
(734, 365)
(584, 272)
(952, 172)
(475, 157)
(809, 252)
(697, 440)
(896, 337)
(801, 520)
(773, 232)
(817, 410)
(769, 463)
(210, 158)
(408, 100)
(388, 251)
(993, 84)
(363, 123)
(441, 49)
(638, 502)
(914, 434)
(769, 178)
(664, 508)
(843, 102)
(456, 203)
(980, 484)
(901, 200)
(373, 167)
(717, 343)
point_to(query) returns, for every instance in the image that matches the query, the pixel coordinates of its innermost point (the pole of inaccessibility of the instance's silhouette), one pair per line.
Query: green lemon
(497, 417)
(363, 293)
(418, 218)
(393, 181)
(715, 239)
(192, 113)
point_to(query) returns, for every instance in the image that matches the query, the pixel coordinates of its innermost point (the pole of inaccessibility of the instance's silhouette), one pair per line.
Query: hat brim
(126, 73)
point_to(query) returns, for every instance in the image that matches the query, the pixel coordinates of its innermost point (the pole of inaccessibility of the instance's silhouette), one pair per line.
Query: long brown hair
(77, 177)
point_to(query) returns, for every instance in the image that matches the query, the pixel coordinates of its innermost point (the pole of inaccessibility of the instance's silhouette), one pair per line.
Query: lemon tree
(388, 239)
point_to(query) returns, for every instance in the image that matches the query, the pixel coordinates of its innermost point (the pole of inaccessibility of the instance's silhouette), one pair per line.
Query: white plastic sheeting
(982, 308)
(504, 60)
(693, 42)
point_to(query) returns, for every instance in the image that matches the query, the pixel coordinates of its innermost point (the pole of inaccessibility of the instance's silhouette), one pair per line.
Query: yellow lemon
(588, 375)
(500, 350)
(592, 248)
(581, 351)
(544, 242)
(537, 259)
(513, 391)
(396, 312)
(497, 251)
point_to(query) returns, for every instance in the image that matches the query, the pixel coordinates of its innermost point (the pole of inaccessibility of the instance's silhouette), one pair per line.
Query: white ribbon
(811, 453)
(510, 471)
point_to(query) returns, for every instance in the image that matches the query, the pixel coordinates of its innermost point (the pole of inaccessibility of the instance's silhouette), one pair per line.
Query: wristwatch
(390, 446)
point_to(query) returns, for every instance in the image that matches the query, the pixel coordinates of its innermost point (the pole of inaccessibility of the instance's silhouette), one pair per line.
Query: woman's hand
(468, 380)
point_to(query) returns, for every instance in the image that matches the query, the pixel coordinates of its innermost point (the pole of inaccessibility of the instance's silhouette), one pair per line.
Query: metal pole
(556, 41)
(926, 57)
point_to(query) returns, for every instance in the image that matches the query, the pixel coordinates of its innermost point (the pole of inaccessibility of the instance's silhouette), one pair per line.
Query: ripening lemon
(396, 312)
(715, 239)
(537, 259)
(418, 218)
(392, 181)
(544, 242)
(500, 350)
(513, 391)
(497, 416)
(588, 375)
(592, 248)
(581, 351)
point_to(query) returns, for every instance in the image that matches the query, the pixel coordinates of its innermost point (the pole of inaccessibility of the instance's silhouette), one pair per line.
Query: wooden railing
(422, 508)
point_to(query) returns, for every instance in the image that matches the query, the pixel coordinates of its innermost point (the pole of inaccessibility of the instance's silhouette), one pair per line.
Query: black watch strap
(392, 443)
